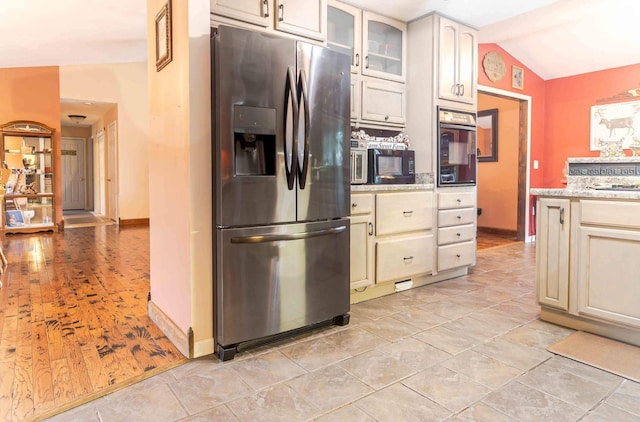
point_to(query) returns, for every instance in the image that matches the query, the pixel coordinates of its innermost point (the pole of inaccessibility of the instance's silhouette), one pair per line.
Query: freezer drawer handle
(292, 236)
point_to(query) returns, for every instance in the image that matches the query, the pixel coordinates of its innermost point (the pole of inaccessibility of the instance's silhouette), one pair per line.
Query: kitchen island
(588, 249)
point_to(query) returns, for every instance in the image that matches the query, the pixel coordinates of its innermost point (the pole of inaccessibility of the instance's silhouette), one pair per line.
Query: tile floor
(469, 349)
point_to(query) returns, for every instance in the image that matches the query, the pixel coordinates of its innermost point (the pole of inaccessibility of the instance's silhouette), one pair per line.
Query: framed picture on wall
(164, 53)
(517, 77)
(614, 126)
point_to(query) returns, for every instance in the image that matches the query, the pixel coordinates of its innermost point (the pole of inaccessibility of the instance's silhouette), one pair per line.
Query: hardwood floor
(486, 240)
(73, 319)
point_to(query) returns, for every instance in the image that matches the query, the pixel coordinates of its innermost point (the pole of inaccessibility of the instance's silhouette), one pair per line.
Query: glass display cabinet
(26, 179)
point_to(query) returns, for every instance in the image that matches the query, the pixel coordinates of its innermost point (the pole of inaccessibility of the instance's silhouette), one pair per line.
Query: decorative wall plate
(494, 66)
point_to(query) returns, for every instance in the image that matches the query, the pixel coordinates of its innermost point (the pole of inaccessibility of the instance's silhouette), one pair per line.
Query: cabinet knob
(458, 200)
(459, 217)
(458, 234)
(354, 205)
(386, 117)
(458, 255)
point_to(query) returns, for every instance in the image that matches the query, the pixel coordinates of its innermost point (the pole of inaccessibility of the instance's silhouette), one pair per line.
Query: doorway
(503, 184)
(74, 174)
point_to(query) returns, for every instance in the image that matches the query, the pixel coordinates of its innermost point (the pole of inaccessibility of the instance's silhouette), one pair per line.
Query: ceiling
(92, 110)
(554, 38)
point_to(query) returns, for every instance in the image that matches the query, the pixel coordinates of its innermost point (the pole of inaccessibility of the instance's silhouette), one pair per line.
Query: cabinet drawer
(403, 212)
(447, 200)
(456, 255)
(456, 234)
(456, 217)
(397, 259)
(361, 203)
(610, 213)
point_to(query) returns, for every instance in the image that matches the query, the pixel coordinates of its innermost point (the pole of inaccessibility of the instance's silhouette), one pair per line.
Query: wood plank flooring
(486, 240)
(73, 319)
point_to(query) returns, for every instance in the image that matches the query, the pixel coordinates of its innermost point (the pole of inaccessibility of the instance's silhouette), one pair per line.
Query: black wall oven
(456, 148)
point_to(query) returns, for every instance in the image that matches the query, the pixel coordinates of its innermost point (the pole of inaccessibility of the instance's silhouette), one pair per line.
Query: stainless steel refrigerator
(281, 133)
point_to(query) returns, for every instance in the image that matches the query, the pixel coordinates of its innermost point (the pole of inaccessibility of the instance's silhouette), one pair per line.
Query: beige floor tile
(607, 413)
(85, 413)
(449, 309)
(496, 319)
(350, 413)
(482, 369)
(390, 329)
(513, 354)
(534, 338)
(138, 404)
(585, 371)
(314, 354)
(447, 340)
(267, 369)
(471, 327)
(376, 368)
(419, 318)
(277, 403)
(355, 341)
(414, 353)
(329, 388)
(399, 403)
(480, 413)
(373, 309)
(626, 397)
(211, 389)
(218, 414)
(424, 294)
(449, 389)
(526, 404)
(566, 386)
(517, 310)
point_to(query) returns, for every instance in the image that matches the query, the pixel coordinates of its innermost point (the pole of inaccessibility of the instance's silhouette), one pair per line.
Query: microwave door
(324, 133)
(252, 119)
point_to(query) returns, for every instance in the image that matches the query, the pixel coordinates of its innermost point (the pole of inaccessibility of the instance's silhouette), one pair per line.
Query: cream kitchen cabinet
(384, 44)
(378, 94)
(456, 228)
(404, 237)
(587, 264)
(457, 61)
(304, 18)
(361, 250)
(552, 251)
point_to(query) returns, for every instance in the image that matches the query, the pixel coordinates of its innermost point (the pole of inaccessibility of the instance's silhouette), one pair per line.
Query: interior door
(99, 171)
(112, 172)
(73, 173)
(324, 85)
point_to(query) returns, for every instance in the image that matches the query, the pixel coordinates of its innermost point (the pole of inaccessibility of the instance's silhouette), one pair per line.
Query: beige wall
(498, 181)
(126, 85)
(180, 174)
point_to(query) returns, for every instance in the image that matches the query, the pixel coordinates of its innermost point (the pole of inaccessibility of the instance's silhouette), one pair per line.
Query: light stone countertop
(391, 188)
(586, 193)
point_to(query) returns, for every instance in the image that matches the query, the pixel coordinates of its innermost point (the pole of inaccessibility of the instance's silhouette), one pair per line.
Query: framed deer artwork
(615, 125)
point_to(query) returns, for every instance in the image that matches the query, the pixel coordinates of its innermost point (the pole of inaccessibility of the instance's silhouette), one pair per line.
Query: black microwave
(387, 166)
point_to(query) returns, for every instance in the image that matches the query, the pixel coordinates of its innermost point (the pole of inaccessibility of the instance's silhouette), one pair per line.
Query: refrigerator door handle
(303, 101)
(290, 236)
(290, 105)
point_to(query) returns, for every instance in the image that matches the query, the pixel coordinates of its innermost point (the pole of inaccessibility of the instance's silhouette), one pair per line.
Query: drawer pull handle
(354, 205)
(458, 234)
(408, 258)
(458, 200)
(370, 229)
(458, 255)
(407, 213)
(562, 215)
(459, 217)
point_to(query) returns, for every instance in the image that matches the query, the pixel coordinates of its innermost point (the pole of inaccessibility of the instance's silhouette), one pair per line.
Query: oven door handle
(461, 127)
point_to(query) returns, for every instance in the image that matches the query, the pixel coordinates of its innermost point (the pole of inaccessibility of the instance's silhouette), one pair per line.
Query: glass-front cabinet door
(344, 31)
(384, 46)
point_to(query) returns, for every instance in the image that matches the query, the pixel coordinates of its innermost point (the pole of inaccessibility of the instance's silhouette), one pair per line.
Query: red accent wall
(568, 113)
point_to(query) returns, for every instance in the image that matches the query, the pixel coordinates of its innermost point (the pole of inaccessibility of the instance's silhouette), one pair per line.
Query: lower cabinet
(587, 265)
(361, 249)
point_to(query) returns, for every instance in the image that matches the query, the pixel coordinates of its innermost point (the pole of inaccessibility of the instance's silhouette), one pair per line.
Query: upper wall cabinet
(384, 43)
(457, 62)
(304, 18)
(344, 31)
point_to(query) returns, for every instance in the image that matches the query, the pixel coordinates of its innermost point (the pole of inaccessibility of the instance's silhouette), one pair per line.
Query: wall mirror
(487, 135)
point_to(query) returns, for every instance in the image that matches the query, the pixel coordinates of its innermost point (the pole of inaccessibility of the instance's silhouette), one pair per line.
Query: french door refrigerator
(280, 125)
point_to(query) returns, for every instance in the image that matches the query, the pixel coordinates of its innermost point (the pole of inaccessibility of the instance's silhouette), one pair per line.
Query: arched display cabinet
(27, 177)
